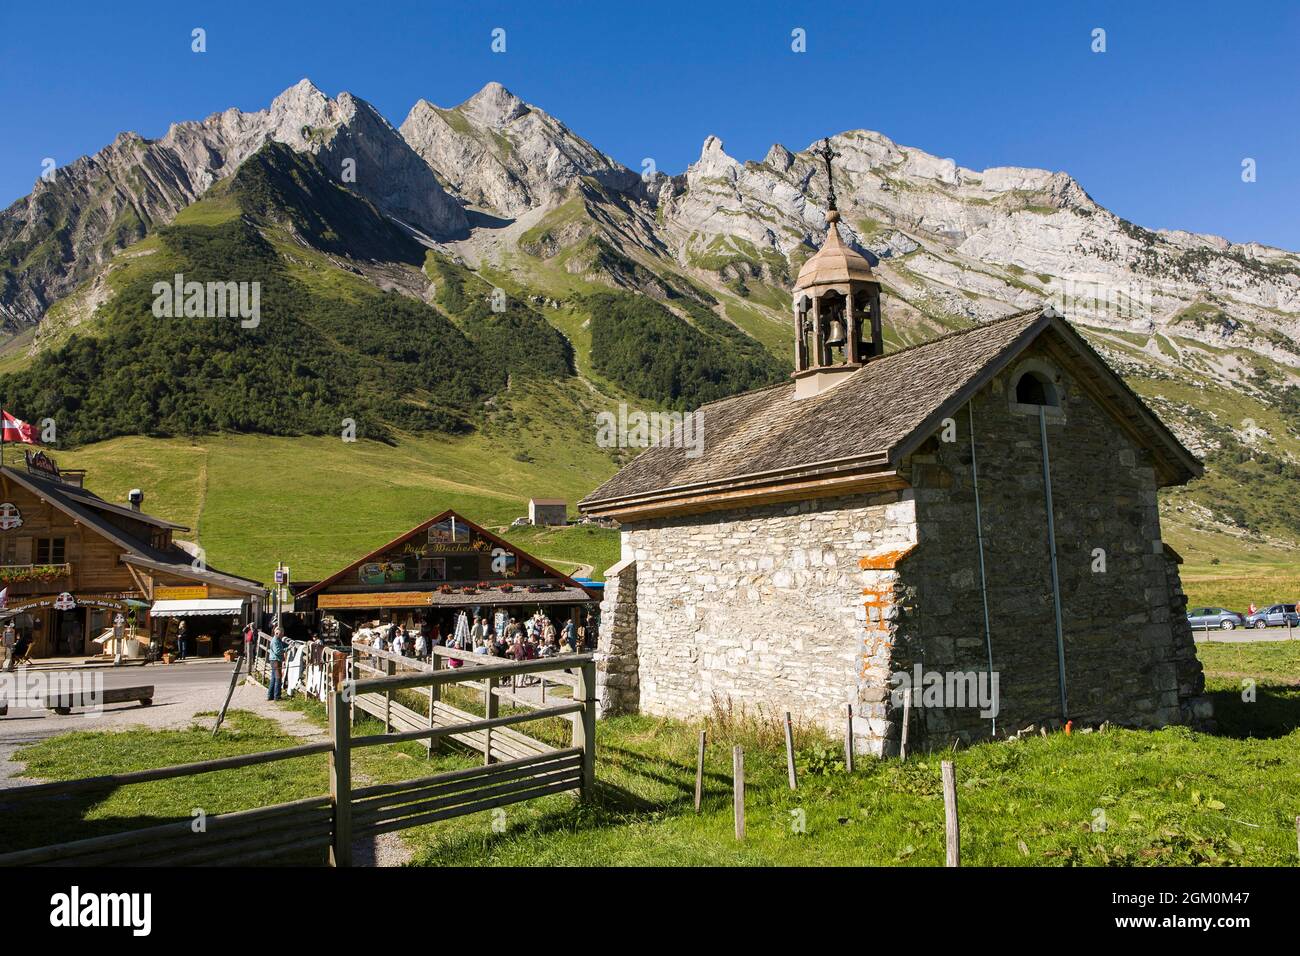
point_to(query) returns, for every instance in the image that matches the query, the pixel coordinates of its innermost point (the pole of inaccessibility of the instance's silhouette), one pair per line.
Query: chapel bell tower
(836, 309)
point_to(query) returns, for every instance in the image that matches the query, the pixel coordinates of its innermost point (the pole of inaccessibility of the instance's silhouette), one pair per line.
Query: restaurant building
(426, 577)
(70, 562)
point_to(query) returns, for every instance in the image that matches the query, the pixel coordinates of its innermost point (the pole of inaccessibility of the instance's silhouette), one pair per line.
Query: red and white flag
(17, 430)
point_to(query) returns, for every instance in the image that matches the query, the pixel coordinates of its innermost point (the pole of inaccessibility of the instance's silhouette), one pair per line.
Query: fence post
(789, 752)
(340, 782)
(229, 693)
(490, 709)
(584, 727)
(951, 825)
(699, 774)
(738, 789)
(390, 669)
(907, 722)
(435, 693)
(848, 741)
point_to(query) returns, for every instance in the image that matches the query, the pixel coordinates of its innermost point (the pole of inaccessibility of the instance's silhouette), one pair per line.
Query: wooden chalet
(70, 561)
(426, 576)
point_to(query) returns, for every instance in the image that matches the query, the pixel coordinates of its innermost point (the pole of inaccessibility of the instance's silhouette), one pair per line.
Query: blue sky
(1156, 128)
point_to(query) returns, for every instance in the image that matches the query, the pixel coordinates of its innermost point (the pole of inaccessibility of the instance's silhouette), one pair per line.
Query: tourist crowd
(536, 637)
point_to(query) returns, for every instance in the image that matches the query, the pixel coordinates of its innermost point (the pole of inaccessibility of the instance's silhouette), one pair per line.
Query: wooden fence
(516, 767)
(245, 836)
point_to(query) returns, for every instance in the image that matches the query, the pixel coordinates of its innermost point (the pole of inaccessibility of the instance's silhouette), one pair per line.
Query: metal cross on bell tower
(828, 154)
(836, 303)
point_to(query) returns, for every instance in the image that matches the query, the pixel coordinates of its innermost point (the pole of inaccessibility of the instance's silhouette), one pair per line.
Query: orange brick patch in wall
(876, 598)
(878, 630)
(887, 561)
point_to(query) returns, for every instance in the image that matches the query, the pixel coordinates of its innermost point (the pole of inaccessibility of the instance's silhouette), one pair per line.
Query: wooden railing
(516, 767)
(245, 836)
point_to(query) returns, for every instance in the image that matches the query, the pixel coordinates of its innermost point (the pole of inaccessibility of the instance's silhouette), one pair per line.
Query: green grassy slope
(319, 502)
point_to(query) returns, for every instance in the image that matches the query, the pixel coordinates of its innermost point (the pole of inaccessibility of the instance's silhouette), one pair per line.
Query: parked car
(1275, 615)
(1220, 617)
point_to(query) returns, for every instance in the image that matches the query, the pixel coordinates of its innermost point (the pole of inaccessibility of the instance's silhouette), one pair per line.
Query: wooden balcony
(35, 578)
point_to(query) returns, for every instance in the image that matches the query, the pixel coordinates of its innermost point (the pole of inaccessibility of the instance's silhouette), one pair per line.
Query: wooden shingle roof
(96, 514)
(766, 438)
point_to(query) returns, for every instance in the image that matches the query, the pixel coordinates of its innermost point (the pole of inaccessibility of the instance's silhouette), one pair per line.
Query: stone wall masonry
(813, 605)
(1197, 707)
(764, 608)
(618, 682)
(1125, 661)
(885, 599)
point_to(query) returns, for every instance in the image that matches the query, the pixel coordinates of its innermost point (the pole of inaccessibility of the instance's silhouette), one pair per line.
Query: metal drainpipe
(1051, 546)
(979, 536)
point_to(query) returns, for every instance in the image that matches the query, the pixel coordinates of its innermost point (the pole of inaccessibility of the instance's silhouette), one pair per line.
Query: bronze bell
(835, 334)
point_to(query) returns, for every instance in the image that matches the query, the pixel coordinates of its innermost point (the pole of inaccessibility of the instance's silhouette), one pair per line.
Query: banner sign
(450, 535)
(398, 599)
(197, 592)
(66, 601)
(42, 464)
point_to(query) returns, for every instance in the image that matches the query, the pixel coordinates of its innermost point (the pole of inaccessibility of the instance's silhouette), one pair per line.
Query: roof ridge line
(1023, 313)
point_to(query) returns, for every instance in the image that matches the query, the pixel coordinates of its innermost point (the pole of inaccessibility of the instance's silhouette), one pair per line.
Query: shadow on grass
(25, 824)
(1275, 712)
(660, 770)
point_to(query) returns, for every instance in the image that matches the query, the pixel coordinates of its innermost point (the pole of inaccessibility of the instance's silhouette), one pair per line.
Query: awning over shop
(199, 607)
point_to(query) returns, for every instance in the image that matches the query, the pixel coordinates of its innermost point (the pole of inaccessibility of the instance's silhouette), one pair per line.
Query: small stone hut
(978, 507)
(548, 511)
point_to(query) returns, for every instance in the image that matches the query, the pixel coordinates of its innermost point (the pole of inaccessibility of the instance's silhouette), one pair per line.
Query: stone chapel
(980, 504)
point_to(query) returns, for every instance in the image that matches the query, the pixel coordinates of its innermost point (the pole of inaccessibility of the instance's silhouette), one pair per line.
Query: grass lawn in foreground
(1119, 797)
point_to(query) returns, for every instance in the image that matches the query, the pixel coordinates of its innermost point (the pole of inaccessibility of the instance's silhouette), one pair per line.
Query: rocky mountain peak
(714, 160)
(108, 200)
(779, 158)
(304, 96)
(504, 155)
(494, 106)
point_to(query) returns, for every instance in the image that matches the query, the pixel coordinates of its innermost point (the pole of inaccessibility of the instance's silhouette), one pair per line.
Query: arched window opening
(1034, 389)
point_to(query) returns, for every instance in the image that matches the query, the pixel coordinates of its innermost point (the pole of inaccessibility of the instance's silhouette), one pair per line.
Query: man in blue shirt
(275, 656)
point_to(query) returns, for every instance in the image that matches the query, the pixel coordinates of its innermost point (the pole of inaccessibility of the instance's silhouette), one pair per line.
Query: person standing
(571, 636)
(275, 656)
(182, 639)
(9, 642)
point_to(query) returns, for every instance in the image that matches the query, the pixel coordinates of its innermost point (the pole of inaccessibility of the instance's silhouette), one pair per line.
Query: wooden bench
(63, 703)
